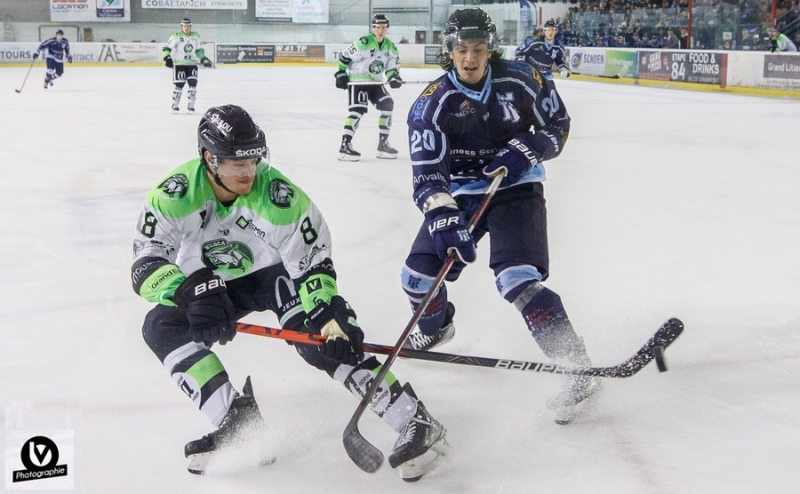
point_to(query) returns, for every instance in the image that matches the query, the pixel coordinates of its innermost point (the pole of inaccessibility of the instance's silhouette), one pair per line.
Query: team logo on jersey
(188, 48)
(280, 194)
(233, 258)
(175, 187)
(464, 109)
(376, 67)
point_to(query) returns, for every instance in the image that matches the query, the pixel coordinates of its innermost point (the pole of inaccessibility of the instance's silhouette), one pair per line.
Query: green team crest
(233, 258)
(174, 187)
(376, 67)
(188, 48)
(280, 193)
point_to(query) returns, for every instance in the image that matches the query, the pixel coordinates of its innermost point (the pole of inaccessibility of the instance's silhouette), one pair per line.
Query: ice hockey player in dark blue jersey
(56, 48)
(544, 54)
(484, 115)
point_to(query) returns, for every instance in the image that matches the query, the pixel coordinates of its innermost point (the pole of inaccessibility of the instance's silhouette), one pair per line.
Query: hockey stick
(596, 75)
(663, 337)
(362, 452)
(381, 83)
(26, 77)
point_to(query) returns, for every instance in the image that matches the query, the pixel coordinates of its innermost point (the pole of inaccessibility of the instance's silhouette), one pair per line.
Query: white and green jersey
(368, 60)
(183, 228)
(184, 50)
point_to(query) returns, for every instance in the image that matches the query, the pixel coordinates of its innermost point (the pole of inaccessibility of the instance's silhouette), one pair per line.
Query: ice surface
(664, 203)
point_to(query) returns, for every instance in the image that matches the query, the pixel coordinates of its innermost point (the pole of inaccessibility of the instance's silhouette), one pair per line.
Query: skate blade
(415, 469)
(198, 464)
(387, 156)
(347, 157)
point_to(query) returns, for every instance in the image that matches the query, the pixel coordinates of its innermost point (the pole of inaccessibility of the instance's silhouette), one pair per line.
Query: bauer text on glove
(516, 158)
(208, 307)
(450, 234)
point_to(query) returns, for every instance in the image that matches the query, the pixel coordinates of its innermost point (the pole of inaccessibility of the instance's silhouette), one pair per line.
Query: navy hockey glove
(35, 55)
(449, 231)
(208, 307)
(337, 322)
(342, 79)
(206, 62)
(395, 81)
(516, 158)
(69, 58)
(168, 61)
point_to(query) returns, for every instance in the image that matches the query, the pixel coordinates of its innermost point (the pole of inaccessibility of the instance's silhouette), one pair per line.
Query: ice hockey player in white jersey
(361, 69)
(226, 234)
(182, 54)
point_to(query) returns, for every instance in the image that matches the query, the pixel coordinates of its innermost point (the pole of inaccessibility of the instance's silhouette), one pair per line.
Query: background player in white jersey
(365, 61)
(227, 234)
(182, 54)
(56, 48)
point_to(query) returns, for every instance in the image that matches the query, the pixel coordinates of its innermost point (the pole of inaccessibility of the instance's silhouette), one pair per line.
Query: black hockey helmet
(229, 132)
(60, 32)
(550, 23)
(469, 24)
(187, 21)
(379, 20)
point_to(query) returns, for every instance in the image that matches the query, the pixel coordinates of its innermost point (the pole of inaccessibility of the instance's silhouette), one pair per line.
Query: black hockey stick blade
(615, 76)
(362, 452)
(663, 337)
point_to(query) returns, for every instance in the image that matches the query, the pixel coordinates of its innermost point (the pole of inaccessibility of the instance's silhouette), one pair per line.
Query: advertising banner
(245, 53)
(782, 66)
(90, 52)
(620, 64)
(310, 11)
(684, 66)
(299, 53)
(274, 10)
(432, 54)
(587, 61)
(195, 4)
(90, 11)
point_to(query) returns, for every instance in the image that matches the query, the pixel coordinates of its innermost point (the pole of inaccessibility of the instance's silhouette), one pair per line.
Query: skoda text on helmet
(380, 20)
(469, 24)
(228, 132)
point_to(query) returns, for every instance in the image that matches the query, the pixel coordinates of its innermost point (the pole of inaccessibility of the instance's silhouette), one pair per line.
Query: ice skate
(421, 442)
(575, 397)
(243, 418)
(418, 340)
(385, 150)
(346, 151)
(190, 110)
(175, 109)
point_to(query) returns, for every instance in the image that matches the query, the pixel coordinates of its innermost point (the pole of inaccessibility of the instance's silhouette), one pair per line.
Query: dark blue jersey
(454, 131)
(55, 49)
(541, 55)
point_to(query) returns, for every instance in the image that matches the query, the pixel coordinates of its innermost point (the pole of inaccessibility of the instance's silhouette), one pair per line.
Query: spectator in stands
(726, 45)
(683, 39)
(403, 41)
(671, 41)
(746, 41)
(637, 43)
(702, 36)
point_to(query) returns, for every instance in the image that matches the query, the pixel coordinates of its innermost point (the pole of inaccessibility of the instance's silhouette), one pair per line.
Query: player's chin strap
(215, 174)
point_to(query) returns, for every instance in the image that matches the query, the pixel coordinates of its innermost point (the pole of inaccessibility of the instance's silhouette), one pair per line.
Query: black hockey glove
(449, 231)
(337, 321)
(168, 61)
(395, 81)
(206, 62)
(342, 79)
(516, 158)
(69, 58)
(208, 307)
(35, 55)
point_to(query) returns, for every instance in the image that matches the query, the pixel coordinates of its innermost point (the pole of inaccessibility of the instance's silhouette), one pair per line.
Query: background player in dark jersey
(545, 53)
(226, 234)
(483, 115)
(56, 48)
